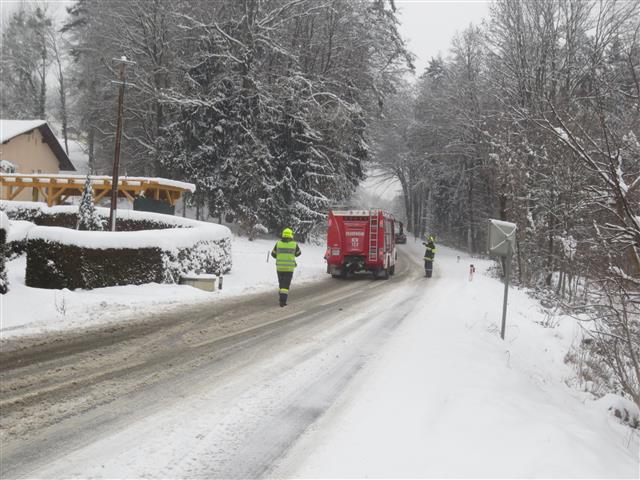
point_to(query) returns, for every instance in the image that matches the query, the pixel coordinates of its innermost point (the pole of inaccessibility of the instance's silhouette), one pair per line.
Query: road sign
(502, 240)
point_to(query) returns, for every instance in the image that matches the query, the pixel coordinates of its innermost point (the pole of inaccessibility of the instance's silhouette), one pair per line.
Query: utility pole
(122, 63)
(507, 275)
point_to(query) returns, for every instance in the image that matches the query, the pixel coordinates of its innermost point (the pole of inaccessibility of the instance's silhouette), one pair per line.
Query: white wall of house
(30, 154)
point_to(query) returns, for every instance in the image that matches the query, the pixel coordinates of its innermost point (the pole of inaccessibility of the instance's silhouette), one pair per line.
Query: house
(31, 147)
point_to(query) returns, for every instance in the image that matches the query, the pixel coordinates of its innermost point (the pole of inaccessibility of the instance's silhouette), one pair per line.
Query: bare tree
(54, 44)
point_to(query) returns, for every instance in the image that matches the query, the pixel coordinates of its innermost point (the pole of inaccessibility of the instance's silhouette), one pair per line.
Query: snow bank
(621, 408)
(166, 239)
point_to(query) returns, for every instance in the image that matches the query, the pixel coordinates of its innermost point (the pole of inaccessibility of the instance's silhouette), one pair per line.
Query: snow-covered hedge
(63, 258)
(17, 237)
(156, 248)
(4, 233)
(67, 216)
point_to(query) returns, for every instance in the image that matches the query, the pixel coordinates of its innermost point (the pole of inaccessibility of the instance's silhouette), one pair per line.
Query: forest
(533, 117)
(265, 105)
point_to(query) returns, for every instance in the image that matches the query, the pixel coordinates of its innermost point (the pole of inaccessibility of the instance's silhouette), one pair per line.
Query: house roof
(10, 129)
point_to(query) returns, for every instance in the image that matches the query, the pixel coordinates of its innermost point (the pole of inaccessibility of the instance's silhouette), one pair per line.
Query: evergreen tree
(88, 218)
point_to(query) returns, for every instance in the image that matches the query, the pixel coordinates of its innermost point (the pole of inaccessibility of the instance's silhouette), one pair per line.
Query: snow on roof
(12, 128)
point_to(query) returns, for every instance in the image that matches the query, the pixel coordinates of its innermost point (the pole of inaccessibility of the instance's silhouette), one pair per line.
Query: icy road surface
(357, 378)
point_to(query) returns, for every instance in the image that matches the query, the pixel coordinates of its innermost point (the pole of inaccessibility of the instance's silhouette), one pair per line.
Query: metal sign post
(502, 237)
(123, 62)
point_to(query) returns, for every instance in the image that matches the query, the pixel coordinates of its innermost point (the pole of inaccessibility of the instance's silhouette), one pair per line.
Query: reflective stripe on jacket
(430, 252)
(286, 253)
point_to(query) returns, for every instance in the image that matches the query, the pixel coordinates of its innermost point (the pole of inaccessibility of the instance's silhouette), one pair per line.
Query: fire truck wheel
(342, 274)
(392, 270)
(382, 273)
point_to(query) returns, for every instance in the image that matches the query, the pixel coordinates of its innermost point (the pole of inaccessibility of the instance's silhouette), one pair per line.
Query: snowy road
(222, 391)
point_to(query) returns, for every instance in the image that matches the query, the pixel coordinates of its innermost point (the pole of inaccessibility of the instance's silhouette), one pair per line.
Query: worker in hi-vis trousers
(285, 252)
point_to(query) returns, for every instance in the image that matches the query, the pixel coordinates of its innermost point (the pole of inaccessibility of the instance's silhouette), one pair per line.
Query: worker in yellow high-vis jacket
(429, 255)
(285, 252)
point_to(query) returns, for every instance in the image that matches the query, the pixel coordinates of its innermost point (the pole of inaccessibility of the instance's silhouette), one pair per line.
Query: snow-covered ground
(448, 398)
(26, 311)
(443, 397)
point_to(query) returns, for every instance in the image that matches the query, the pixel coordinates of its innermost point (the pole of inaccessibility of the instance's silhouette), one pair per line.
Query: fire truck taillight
(335, 252)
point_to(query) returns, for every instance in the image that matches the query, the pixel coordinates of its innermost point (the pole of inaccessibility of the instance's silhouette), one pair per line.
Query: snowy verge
(447, 398)
(64, 310)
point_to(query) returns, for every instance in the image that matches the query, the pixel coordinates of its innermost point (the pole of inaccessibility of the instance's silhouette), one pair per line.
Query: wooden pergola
(55, 189)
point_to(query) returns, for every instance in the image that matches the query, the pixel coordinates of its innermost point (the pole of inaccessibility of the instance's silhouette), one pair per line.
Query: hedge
(67, 216)
(4, 227)
(154, 248)
(54, 265)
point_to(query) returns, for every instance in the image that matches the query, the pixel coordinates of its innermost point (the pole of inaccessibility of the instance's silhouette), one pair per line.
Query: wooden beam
(43, 192)
(57, 195)
(128, 195)
(14, 193)
(101, 194)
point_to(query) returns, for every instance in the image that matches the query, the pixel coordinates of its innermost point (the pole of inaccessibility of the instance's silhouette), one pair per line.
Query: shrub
(147, 247)
(4, 230)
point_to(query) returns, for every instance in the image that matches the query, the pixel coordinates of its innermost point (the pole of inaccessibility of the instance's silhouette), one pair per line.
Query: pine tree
(88, 218)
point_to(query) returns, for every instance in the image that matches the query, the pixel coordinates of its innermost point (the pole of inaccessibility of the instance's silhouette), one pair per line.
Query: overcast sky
(429, 25)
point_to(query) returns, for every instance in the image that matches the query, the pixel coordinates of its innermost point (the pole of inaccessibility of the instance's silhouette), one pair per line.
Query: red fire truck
(361, 240)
